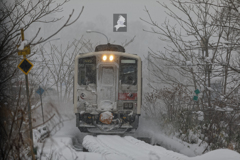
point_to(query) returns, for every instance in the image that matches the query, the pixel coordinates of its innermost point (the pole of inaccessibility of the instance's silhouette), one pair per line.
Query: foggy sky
(98, 16)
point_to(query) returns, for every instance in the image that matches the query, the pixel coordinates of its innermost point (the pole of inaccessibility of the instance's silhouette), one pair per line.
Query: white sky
(98, 16)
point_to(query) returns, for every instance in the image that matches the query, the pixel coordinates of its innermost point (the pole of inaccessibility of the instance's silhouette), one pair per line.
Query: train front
(107, 92)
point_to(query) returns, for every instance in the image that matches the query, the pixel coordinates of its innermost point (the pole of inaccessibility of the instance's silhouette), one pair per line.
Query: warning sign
(25, 65)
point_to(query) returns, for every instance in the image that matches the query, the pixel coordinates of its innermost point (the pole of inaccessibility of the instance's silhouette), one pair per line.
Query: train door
(107, 87)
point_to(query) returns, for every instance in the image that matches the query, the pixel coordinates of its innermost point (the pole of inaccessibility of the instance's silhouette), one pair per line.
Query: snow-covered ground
(65, 142)
(129, 148)
(109, 147)
(113, 147)
(162, 137)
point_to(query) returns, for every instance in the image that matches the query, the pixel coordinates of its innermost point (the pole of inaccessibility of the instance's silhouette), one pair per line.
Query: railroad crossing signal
(25, 65)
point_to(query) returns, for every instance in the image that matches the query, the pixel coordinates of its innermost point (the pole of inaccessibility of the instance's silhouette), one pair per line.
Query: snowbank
(220, 154)
(150, 129)
(129, 148)
(60, 148)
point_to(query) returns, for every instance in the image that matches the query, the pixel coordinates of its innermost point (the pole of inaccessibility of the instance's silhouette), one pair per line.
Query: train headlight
(104, 58)
(111, 58)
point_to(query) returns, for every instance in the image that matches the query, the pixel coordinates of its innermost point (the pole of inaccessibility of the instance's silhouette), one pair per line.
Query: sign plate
(25, 51)
(25, 65)
(197, 91)
(195, 98)
(40, 91)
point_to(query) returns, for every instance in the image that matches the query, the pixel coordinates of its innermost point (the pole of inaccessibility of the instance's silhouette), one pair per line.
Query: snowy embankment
(175, 144)
(106, 147)
(65, 135)
(129, 148)
(112, 147)
(60, 148)
(165, 138)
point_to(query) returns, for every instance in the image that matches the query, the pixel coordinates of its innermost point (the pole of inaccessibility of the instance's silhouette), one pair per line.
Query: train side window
(128, 71)
(87, 71)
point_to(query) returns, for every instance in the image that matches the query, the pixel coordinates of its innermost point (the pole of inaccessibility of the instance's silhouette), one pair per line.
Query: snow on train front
(107, 90)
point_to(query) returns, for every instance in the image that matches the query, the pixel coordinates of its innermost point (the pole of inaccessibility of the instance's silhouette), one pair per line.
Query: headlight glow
(111, 58)
(104, 58)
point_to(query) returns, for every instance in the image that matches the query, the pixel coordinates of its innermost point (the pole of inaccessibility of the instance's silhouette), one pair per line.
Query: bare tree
(14, 16)
(19, 15)
(200, 56)
(59, 63)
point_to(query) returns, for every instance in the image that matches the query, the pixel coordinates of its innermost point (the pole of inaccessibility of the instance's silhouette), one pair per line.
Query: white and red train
(107, 90)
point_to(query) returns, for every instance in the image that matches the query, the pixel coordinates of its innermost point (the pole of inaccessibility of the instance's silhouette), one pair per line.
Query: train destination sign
(88, 60)
(25, 66)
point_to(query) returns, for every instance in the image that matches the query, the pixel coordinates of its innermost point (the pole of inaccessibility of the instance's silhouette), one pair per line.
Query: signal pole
(26, 66)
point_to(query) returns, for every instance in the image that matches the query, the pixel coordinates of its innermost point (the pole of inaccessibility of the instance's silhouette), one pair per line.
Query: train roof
(109, 47)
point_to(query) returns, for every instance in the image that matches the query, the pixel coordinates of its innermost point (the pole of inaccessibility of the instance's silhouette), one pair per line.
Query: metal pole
(29, 109)
(41, 103)
(28, 103)
(90, 31)
(22, 34)
(29, 116)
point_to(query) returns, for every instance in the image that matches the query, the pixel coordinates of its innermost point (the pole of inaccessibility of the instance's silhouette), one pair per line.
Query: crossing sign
(25, 65)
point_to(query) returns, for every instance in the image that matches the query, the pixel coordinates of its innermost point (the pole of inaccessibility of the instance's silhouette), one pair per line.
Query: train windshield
(128, 71)
(87, 71)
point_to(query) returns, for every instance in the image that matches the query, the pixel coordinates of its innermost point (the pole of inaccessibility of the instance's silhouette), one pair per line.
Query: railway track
(128, 148)
(114, 147)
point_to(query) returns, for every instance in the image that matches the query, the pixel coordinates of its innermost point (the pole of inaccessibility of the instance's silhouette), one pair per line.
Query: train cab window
(87, 71)
(128, 71)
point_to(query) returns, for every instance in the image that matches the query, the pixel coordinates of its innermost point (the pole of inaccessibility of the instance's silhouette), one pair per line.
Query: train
(107, 90)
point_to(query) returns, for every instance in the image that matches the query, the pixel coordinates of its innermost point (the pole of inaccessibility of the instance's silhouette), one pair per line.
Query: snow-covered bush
(202, 61)
(15, 16)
